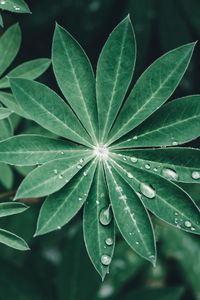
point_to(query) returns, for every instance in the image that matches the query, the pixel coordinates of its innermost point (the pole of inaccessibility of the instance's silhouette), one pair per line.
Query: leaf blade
(12, 240)
(12, 208)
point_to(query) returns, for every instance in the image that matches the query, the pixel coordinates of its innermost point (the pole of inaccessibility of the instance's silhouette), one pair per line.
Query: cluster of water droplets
(3, 2)
(181, 223)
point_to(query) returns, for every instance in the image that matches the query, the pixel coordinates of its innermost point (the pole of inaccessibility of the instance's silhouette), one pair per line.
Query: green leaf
(30, 149)
(1, 21)
(9, 46)
(12, 240)
(131, 217)
(6, 176)
(175, 123)
(28, 70)
(54, 114)
(98, 224)
(172, 163)
(59, 208)
(10, 102)
(163, 198)
(4, 113)
(11, 208)
(114, 73)
(150, 293)
(17, 6)
(75, 78)
(50, 177)
(160, 80)
(6, 129)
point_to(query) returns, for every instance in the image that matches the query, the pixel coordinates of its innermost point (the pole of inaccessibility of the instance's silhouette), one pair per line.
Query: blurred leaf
(17, 6)
(157, 294)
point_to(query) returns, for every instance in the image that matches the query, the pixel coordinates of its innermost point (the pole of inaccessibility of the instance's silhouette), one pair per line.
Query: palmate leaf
(17, 6)
(6, 129)
(114, 177)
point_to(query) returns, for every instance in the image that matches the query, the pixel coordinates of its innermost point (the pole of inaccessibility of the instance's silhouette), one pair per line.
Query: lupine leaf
(28, 70)
(10, 102)
(31, 149)
(6, 129)
(11, 208)
(114, 73)
(59, 208)
(12, 240)
(50, 177)
(175, 123)
(17, 6)
(160, 80)
(162, 197)
(98, 224)
(131, 217)
(71, 63)
(177, 164)
(6, 176)
(54, 114)
(9, 46)
(4, 113)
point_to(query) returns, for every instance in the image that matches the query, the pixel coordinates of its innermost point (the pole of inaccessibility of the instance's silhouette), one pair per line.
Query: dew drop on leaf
(147, 190)
(118, 188)
(55, 171)
(60, 176)
(105, 260)
(147, 166)
(174, 143)
(195, 175)
(188, 224)
(105, 216)
(3, 2)
(134, 159)
(169, 174)
(109, 241)
(80, 198)
(155, 169)
(129, 175)
(135, 137)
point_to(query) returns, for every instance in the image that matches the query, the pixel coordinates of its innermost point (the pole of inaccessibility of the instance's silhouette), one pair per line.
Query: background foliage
(58, 263)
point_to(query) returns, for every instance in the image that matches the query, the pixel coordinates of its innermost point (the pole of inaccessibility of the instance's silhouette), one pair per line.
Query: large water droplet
(170, 174)
(105, 216)
(134, 159)
(188, 224)
(105, 260)
(195, 175)
(3, 2)
(147, 166)
(109, 241)
(147, 190)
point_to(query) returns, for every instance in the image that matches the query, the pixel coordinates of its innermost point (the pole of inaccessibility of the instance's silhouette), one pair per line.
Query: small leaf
(163, 128)
(59, 208)
(114, 73)
(11, 208)
(6, 129)
(99, 237)
(50, 177)
(31, 149)
(6, 176)
(160, 80)
(10, 102)
(162, 197)
(172, 163)
(9, 46)
(28, 70)
(12, 240)
(54, 114)
(4, 113)
(131, 217)
(75, 78)
(17, 6)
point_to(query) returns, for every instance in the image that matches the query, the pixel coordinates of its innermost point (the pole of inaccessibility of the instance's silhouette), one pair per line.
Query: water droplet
(147, 166)
(105, 216)
(3, 2)
(195, 175)
(137, 243)
(188, 224)
(109, 241)
(81, 160)
(118, 189)
(97, 202)
(170, 174)
(79, 167)
(59, 227)
(80, 199)
(16, 7)
(155, 169)
(60, 176)
(124, 158)
(55, 171)
(129, 175)
(134, 159)
(105, 260)
(192, 228)
(135, 137)
(174, 143)
(123, 197)
(147, 190)
(62, 152)
(84, 173)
